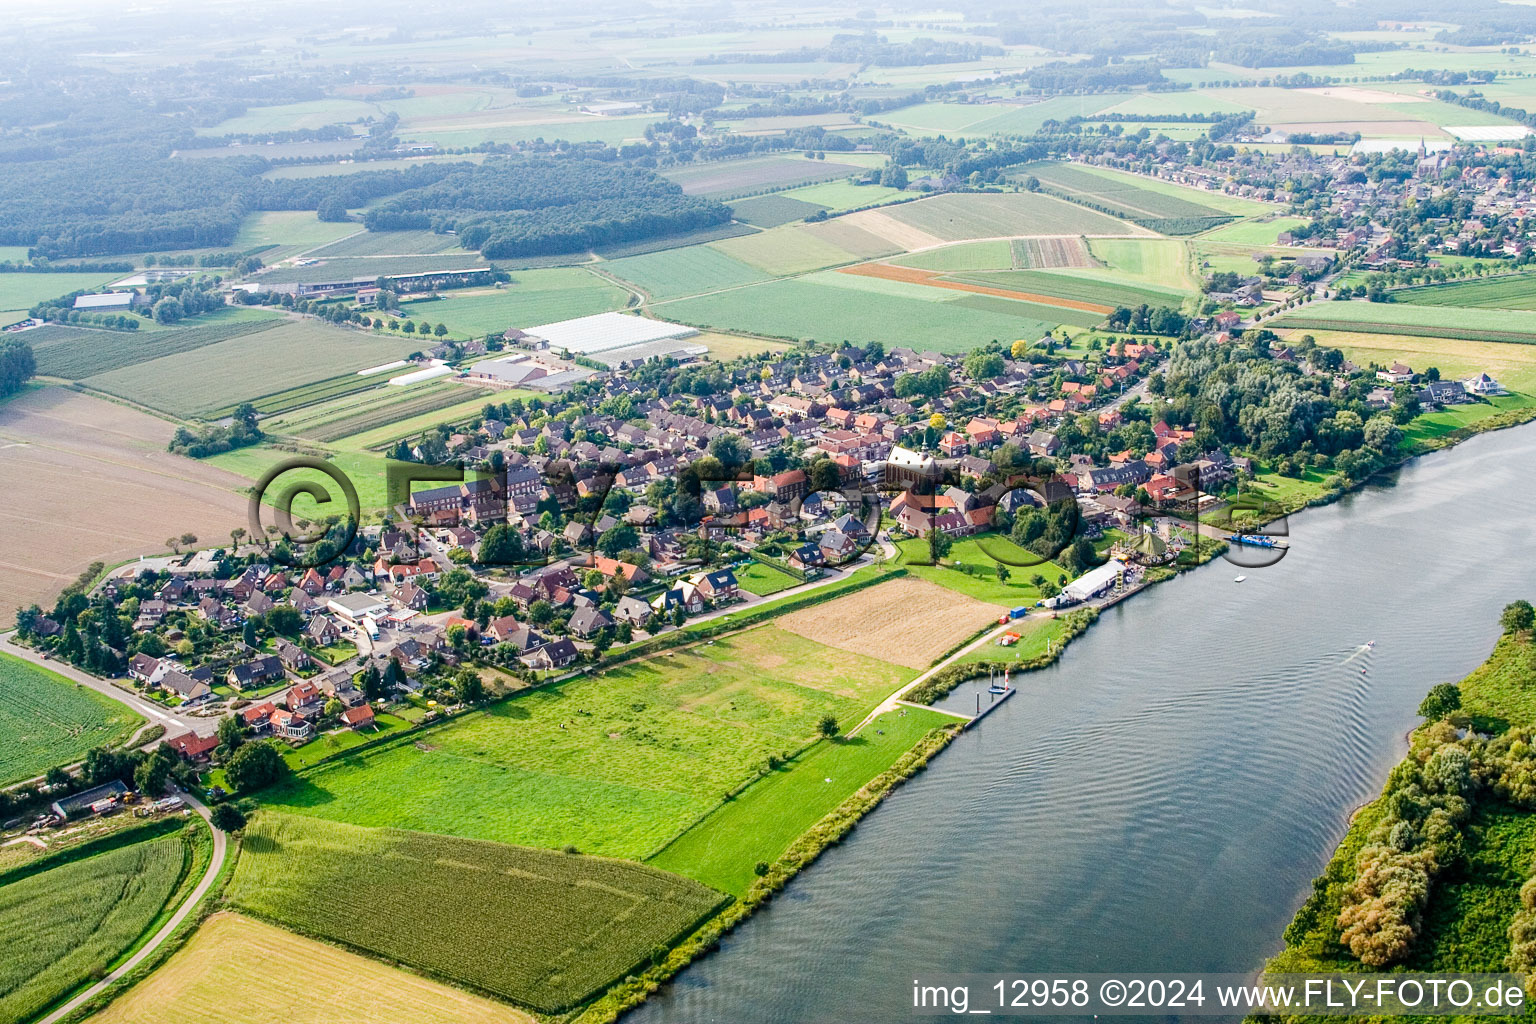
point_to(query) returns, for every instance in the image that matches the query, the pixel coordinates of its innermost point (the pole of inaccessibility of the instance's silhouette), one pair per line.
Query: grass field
(1183, 212)
(784, 250)
(236, 970)
(762, 580)
(771, 210)
(956, 217)
(20, 292)
(78, 918)
(1254, 232)
(76, 353)
(970, 568)
(292, 231)
(759, 824)
(987, 119)
(1402, 318)
(218, 376)
(615, 764)
(534, 297)
(725, 347)
(1516, 291)
(1071, 287)
(688, 271)
(544, 929)
(387, 243)
(756, 174)
(844, 195)
(365, 470)
(802, 309)
(46, 720)
(995, 255)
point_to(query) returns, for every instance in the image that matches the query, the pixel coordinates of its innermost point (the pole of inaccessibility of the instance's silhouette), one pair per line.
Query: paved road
(215, 865)
(174, 721)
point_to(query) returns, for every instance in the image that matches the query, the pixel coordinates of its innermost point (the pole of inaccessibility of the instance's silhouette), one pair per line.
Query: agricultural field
(291, 231)
(771, 210)
(387, 243)
(844, 195)
(1514, 291)
(980, 288)
(236, 970)
(349, 166)
(763, 580)
(293, 117)
(534, 297)
(333, 269)
(53, 438)
(1128, 197)
(365, 469)
(47, 720)
(1471, 324)
(785, 250)
(732, 178)
(369, 410)
(992, 118)
(78, 918)
(1051, 253)
(466, 409)
(761, 823)
(907, 621)
(20, 292)
(994, 255)
(851, 238)
(75, 353)
(688, 271)
(1067, 287)
(947, 321)
(541, 928)
(957, 217)
(1254, 232)
(615, 764)
(970, 568)
(1151, 262)
(214, 378)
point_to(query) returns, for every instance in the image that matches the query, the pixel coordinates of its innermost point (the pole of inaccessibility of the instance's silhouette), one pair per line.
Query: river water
(1161, 798)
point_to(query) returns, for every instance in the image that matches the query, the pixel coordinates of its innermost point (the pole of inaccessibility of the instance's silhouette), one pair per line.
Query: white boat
(1370, 643)
(1239, 579)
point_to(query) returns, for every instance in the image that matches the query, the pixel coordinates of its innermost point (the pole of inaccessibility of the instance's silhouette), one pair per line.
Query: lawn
(614, 764)
(292, 231)
(800, 309)
(47, 720)
(331, 743)
(763, 580)
(236, 970)
(534, 297)
(1036, 634)
(970, 568)
(760, 823)
(541, 928)
(78, 917)
(213, 378)
(692, 270)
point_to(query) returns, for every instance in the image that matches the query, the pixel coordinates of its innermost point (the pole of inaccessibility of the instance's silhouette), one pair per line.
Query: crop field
(771, 210)
(79, 917)
(1219, 201)
(1473, 324)
(907, 621)
(236, 970)
(1060, 288)
(785, 250)
(541, 928)
(1073, 311)
(761, 823)
(533, 297)
(292, 231)
(801, 309)
(956, 217)
(76, 353)
(990, 118)
(657, 244)
(47, 720)
(845, 195)
(762, 580)
(467, 408)
(731, 178)
(1051, 253)
(1514, 366)
(370, 410)
(23, 291)
(690, 271)
(1125, 197)
(226, 373)
(1164, 103)
(614, 764)
(994, 255)
(53, 438)
(851, 238)
(293, 116)
(1515, 291)
(1254, 232)
(372, 266)
(971, 569)
(387, 243)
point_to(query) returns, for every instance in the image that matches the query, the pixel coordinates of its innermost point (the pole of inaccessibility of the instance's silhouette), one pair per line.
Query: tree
(620, 538)
(1517, 617)
(827, 725)
(56, 778)
(333, 708)
(1382, 434)
(458, 636)
(188, 539)
(227, 818)
(893, 175)
(440, 330)
(939, 544)
(17, 364)
(1020, 349)
(255, 766)
(470, 688)
(285, 619)
(501, 545)
(154, 771)
(981, 366)
(540, 612)
(1443, 700)
(372, 684)
(232, 736)
(333, 209)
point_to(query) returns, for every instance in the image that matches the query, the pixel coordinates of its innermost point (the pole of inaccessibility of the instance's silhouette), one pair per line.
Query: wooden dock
(987, 708)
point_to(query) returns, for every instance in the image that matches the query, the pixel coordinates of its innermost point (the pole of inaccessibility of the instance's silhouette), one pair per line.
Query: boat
(1370, 643)
(1239, 579)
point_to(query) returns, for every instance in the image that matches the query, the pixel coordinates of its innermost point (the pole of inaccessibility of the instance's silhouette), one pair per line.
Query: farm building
(99, 800)
(107, 302)
(604, 332)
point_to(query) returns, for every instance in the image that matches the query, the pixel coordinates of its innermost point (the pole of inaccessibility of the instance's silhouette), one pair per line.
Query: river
(1161, 798)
